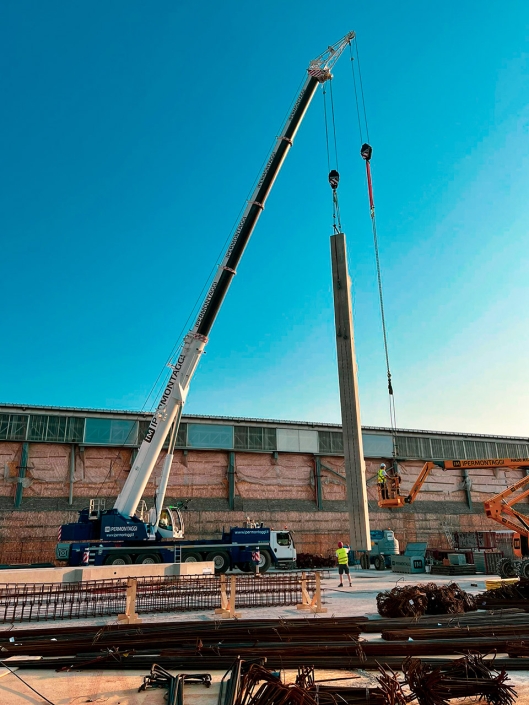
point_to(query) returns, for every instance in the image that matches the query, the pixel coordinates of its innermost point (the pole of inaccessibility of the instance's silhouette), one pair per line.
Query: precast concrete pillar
(347, 375)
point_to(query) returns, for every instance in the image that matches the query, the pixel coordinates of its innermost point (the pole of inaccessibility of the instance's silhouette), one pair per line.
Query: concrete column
(317, 482)
(21, 474)
(231, 480)
(72, 473)
(355, 475)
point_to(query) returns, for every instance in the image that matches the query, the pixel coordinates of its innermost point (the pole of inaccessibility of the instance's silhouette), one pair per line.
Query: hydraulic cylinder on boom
(121, 523)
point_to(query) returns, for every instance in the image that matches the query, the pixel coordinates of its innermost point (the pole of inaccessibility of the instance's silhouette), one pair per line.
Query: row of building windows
(125, 432)
(129, 432)
(448, 448)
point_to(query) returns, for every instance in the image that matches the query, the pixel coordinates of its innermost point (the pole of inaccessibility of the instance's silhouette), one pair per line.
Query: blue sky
(131, 133)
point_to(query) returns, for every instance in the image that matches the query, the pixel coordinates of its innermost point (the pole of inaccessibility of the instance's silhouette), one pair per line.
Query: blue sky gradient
(131, 134)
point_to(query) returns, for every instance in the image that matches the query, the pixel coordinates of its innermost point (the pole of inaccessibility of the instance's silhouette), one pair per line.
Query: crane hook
(366, 151)
(334, 178)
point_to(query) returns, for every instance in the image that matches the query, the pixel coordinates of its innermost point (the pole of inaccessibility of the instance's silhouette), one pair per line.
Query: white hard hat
(382, 466)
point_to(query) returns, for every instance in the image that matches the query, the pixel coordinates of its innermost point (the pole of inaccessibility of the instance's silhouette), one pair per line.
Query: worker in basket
(382, 481)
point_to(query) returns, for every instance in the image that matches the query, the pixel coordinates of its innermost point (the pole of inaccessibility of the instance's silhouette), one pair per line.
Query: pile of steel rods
(183, 638)
(428, 598)
(514, 595)
(94, 598)
(465, 678)
(251, 683)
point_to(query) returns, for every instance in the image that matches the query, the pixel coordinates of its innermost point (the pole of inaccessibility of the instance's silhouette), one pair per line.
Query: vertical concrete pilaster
(21, 474)
(347, 375)
(317, 482)
(72, 473)
(231, 480)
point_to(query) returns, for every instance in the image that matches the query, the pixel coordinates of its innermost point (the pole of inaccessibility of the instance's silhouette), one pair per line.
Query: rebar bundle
(514, 594)
(428, 598)
(465, 678)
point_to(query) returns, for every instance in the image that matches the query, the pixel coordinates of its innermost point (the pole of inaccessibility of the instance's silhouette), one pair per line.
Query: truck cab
(284, 549)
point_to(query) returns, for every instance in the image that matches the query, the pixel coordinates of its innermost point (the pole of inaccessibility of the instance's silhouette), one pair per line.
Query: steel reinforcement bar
(95, 598)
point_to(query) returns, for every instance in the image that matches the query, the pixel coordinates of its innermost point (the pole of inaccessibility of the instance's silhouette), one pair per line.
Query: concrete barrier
(103, 572)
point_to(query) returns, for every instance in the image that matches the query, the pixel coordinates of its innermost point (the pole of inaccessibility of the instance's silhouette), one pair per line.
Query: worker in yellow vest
(381, 480)
(342, 554)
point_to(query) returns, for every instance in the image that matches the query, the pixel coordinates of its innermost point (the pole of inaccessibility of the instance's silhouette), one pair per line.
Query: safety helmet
(382, 466)
(340, 544)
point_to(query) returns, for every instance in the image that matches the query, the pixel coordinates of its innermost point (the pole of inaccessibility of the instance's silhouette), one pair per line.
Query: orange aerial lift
(499, 508)
(389, 493)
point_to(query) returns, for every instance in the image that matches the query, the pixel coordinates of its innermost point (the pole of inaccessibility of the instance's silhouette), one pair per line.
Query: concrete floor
(120, 687)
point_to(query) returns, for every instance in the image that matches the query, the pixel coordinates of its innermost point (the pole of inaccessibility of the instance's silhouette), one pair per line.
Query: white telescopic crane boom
(169, 411)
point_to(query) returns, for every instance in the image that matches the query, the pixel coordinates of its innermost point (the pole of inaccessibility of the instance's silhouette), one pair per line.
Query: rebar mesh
(95, 598)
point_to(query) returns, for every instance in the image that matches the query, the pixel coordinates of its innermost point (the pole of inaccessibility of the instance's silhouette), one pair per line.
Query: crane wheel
(192, 558)
(507, 568)
(118, 559)
(380, 563)
(221, 561)
(147, 558)
(524, 569)
(265, 562)
(365, 562)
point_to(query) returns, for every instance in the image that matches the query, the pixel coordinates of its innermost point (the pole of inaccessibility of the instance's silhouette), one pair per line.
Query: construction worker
(342, 554)
(381, 480)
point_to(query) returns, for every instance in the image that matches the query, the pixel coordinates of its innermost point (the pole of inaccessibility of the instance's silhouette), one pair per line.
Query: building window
(13, 427)
(111, 432)
(330, 442)
(181, 439)
(37, 428)
(254, 438)
(74, 429)
(293, 440)
(209, 436)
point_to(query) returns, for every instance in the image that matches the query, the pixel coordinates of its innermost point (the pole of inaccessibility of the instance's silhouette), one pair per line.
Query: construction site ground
(113, 687)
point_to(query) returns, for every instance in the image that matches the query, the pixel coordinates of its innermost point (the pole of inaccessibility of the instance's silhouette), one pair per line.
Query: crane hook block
(366, 151)
(334, 178)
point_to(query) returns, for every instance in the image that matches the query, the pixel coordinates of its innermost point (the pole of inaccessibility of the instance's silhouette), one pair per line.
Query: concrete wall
(277, 490)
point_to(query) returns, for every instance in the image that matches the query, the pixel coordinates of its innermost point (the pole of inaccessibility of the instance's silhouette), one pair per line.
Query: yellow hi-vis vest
(381, 475)
(341, 555)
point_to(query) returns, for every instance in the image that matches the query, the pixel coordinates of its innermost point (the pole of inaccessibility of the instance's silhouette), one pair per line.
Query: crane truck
(125, 533)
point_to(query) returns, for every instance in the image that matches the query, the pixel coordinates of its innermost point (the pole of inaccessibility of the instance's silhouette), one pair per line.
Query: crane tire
(245, 567)
(192, 557)
(379, 563)
(365, 562)
(265, 562)
(148, 558)
(118, 559)
(507, 568)
(524, 569)
(221, 561)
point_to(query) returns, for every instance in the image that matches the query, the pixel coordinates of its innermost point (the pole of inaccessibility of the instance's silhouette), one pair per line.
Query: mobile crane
(119, 535)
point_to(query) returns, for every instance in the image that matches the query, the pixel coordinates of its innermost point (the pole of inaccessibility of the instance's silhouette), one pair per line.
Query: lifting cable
(334, 176)
(366, 152)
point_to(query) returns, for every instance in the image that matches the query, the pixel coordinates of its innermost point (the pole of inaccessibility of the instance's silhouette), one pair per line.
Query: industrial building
(289, 473)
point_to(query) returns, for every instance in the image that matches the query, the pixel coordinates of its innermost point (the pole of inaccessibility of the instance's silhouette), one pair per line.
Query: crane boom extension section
(389, 494)
(169, 411)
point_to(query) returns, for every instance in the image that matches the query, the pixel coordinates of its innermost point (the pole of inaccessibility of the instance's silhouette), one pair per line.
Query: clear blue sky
(131, 133)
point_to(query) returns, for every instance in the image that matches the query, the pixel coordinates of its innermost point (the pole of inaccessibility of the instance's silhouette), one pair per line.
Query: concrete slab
(103, 572)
